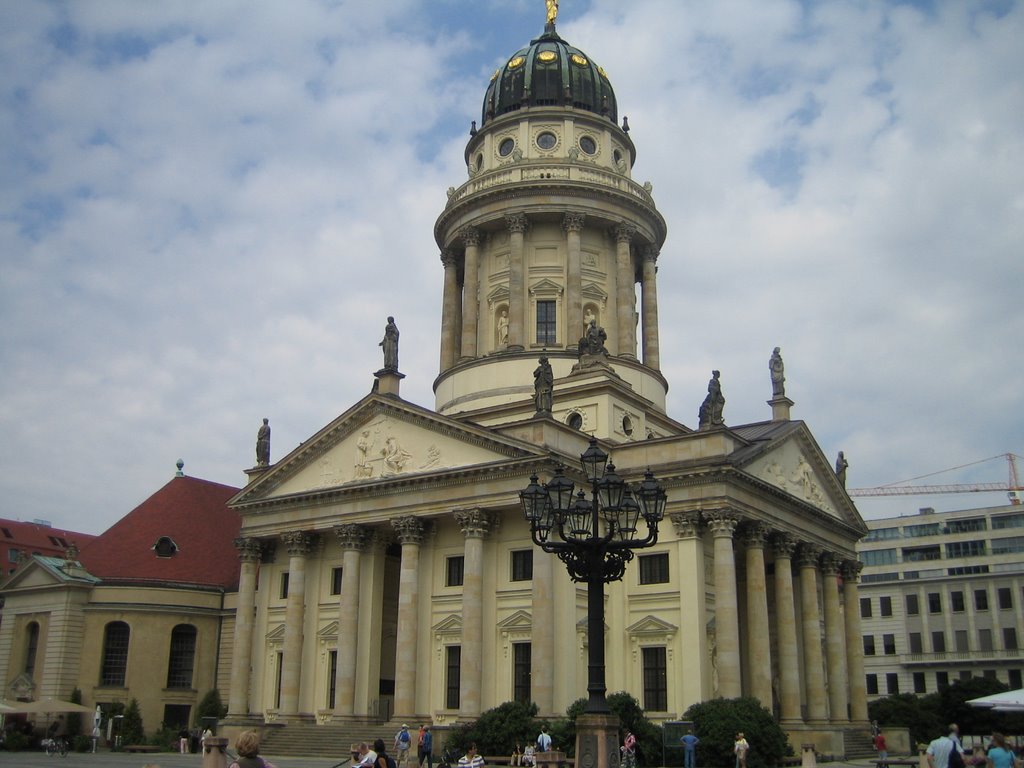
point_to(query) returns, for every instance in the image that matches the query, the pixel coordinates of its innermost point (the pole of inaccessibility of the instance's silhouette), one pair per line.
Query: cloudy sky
(207, 211)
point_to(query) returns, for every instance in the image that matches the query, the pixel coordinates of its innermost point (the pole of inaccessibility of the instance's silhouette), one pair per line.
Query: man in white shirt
(544, 740)
(938, 751)
(367, 757)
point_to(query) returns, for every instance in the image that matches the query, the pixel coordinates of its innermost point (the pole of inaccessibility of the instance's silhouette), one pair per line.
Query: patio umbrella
(42, 707)
(1009, 701)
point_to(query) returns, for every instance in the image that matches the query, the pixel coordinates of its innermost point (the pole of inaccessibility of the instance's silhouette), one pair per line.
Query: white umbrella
(1009, 701)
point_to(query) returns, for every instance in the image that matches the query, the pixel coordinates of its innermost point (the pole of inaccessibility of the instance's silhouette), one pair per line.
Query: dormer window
(165, 547)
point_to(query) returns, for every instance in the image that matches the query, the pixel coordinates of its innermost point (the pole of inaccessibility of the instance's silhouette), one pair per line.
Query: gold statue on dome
(552, 6)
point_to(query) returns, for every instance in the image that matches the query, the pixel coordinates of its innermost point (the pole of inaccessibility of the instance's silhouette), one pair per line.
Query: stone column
(835, 641)
(759, 652)
(449, 316)
(249, 552)
(814, 673)
(694, 679)
(854, 650)
(475, 524)
(625, 300)
(722, 523)
(470, 291)
(517, 224)
(542, 640)
(353, 540)
(299, 544)
(572, 223)
(411, 532)
(649, 300)
(783, 545)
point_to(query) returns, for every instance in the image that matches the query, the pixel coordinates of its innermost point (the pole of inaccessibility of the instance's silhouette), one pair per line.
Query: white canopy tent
(1010, 701)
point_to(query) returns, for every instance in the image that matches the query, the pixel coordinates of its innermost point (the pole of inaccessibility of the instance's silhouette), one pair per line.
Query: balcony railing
(969, 657)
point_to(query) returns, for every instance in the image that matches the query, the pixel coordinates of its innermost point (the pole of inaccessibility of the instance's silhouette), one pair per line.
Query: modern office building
(942, 598)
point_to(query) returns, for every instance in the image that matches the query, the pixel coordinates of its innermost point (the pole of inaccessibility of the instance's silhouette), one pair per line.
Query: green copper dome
(549, 73)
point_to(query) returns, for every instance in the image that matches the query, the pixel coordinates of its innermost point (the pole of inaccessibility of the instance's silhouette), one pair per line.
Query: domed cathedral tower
(548, 238)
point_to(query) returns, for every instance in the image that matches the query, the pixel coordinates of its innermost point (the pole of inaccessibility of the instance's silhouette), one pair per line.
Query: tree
(631, 715)
(497, 730)
(210, 706)
(132, 731)
(75, 718)
(921, 715)
(717, 721)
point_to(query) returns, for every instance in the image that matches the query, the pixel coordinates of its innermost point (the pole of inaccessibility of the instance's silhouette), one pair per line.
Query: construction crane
(1012, 487)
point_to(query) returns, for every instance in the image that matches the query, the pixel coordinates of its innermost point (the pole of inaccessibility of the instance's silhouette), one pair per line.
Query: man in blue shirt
(690, 743)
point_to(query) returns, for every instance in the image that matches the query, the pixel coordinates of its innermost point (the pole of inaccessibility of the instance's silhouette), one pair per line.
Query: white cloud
(216, 206)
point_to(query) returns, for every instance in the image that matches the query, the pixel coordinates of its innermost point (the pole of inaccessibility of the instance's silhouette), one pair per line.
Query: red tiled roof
(33, 537)
(194, 514)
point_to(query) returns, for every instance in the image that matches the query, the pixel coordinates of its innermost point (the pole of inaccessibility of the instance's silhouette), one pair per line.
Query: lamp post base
(597, 741)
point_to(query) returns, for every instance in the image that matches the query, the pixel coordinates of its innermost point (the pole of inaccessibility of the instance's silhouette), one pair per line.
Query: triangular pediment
(449, 625)
(329, 632)
(650, 626)
(41, 572)
(520, 620)
(545, 286)
(381, 439)
(498, 296)
(593, 292)
(276, 635)
(794, 464)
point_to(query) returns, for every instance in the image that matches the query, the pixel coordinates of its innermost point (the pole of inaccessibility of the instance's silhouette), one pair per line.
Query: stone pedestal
(780, 408)
(215, 752)
(552, 759)
(255, 473)
(388, 381)
(597, 741)
(808, 759)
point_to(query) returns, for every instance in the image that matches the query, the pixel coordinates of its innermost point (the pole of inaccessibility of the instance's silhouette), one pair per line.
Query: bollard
(808, 759)
(215, 752)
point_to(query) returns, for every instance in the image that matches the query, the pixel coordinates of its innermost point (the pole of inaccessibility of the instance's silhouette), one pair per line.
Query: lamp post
(594, 537)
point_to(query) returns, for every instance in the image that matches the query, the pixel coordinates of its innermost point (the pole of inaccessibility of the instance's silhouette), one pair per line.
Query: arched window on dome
(182, 656)
(116, 637)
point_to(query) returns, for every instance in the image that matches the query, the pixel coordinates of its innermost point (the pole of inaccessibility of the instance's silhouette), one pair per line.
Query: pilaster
(517, 223)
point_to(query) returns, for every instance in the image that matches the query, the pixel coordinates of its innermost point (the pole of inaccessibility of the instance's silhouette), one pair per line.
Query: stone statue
(263, 445)
(841, 465)
(593, 339)
(503, 328)
(543, 386)
(390, 345)
(710, 413)
(777, 369)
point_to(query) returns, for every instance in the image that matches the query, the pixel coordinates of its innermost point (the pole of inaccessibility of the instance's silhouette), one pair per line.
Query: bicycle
(57, 746)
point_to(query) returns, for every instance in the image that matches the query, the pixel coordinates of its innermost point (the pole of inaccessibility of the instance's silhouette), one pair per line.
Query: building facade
(386, 567)
(942, 599)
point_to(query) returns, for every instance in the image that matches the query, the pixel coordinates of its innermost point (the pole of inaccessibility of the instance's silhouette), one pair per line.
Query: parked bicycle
(56, 746)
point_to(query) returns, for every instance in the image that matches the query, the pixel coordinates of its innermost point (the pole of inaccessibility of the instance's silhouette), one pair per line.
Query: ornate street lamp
(595, 538)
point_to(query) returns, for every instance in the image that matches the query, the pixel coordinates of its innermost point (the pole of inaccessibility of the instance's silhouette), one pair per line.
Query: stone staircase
(857, 743)
(331, 741)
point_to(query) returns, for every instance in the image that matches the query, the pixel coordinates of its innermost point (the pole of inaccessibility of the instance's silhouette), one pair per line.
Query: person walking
(941, 750)
(999, 755)
(690, 743)
(741, 746)
(402, 743)
(880, 746)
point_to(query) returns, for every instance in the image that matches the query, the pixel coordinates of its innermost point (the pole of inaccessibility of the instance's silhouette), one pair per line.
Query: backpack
(956, 760)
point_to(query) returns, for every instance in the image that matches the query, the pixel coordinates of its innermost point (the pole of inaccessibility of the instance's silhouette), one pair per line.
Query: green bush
(166, 738)
(15, 741)
(132, 731)
(75, 718)
(210, 706)
(716, 722)
(82, 743)
(631, 716)
(497, 730)
(919, 714)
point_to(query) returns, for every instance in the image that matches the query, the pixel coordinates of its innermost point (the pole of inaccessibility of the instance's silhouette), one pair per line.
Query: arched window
(115, 653)
(182, 656)
(31, 646)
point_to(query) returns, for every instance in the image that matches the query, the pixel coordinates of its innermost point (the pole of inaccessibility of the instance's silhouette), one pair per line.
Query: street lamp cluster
(594, 537)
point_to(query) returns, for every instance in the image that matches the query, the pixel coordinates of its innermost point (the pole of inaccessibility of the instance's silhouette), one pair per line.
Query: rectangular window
(956, 601)
(927, 529)
(981, 599)
(1005, 598)
(872, 684)
(182, 657)
(1015, 679)
(1001, 522)
(865, 607)
(941, 680)
(176, 716)
(892, 683)
(965, 548)
(885, 605)
(985, 640)
(283, 594)
(522, 565)
(960, 641)
(655, 680)
(115, 654)
(912, 607)
(546, 322)
(332, 679)
(934, 602)
(966, 526)
(521, 665)
(454, 571)
(1010, 638)
(1008, 546)
(878, 557)
(881, 534)
(914, 640)
(336, 582)
(13, 555)
(889, 644)
(277, 683)
(989, 674)
(869, 645)
(654, 568)
(453, 664)
(938, 642)
(921, 554)
(919, 686)
(964, 674)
